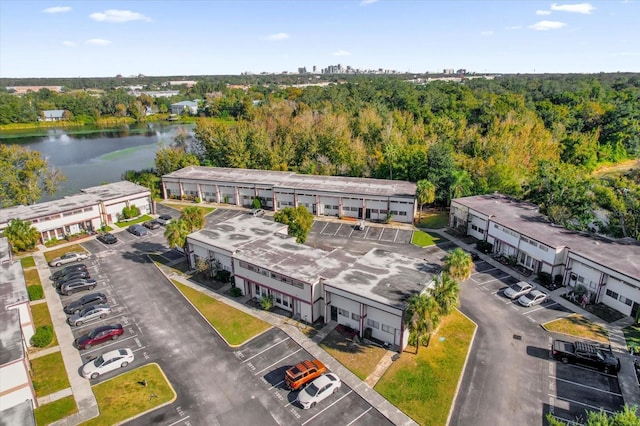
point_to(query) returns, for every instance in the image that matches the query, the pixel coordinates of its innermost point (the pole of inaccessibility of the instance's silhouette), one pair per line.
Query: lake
(91, 159)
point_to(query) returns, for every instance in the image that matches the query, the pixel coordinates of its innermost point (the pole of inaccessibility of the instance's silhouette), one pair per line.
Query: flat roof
(13, 288)
(87, 197)
(384, 276)
(5, 250)
(295, 181)
(10, 337)
(620, 255)
(20, 414)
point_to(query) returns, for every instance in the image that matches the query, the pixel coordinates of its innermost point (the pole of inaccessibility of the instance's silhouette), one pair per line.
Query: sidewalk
(394, 415)
(627, 375)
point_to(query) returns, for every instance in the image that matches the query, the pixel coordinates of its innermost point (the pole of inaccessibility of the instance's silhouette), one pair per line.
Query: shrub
(544, 278)
(35, 292)
(197, 200)
(266, 302)
(484, 247)
(256, 203)
(235, 292)
(130, 212)
(557, 280)
(42, 337)
(223, 276)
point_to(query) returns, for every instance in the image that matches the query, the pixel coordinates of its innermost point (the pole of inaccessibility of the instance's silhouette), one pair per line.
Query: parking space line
(277, 384)
(366, 232)
(396, 237)
(337, 230)
(593, 407)
(139, 349)
(281, 359)
(113, 342)
(585, 386)
(352, 229)
(380, 236)
(356, 419)
(325, 227)
(264, 350)
(181, 420)
(538, 308)
(326, 408)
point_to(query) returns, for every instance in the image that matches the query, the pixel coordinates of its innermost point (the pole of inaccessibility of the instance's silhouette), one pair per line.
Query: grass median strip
(48, 374)
(181, 207)
(28, 262)
(50, 255)
(129, 394)
(128, 223)
(423, 386)
(41, 316)
(423, 239)
(56, 410)
(31, 277)
(579, 327)
(235, 326)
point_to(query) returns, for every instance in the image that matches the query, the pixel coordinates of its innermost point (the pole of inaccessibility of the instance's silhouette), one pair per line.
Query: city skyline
(103, 39)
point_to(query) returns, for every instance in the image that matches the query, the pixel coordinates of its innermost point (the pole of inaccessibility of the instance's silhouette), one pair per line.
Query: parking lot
(271, 354)
(370, 233)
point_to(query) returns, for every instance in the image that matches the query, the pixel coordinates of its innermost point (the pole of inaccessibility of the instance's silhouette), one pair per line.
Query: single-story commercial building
(53, 115)
(609, 269)
(363, 198)
(365, 293)
(84, 212)
(190, 107)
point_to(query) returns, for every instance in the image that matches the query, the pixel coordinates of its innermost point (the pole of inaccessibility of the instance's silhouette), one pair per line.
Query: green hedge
(35, 292)
(42, 337)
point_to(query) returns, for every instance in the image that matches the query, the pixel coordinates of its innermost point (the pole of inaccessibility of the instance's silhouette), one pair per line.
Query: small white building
(368, 292)
(53, 115)
(609, 269)
(191, 107)
(337, 196)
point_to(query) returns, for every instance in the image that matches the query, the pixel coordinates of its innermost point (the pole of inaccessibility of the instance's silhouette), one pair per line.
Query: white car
(257, 212)
(90, 313)
(318, 390)
(534, 297)
(514, 291)
(106, 362)
(72, 256)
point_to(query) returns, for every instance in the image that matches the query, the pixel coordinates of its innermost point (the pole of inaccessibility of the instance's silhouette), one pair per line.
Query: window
(625, 300)
(403, 213)
(474, 227)
(388, 329)
(373, 324)
(343, 313)
(355, 317)
(612, 293)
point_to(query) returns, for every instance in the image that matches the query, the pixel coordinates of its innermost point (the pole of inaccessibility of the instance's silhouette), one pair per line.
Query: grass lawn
(234, 325)
(49, 413)
(40, 313)
(50, 255)
(632, 336)
(48, 374)
(181, 207)
(125, 396)
(422, 239)
(578, 326)
(423, 386)
(433, 220)
(28, 262)
(31, 277)
(360, 360)
(141, 219)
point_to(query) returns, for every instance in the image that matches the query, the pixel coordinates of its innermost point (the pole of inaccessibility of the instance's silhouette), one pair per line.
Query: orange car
(303, 373)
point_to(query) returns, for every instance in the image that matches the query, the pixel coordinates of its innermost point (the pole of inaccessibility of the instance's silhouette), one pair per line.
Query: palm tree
(458, 264)
(193, 218)
(21, 235)
(176, 234)
(425, 194)
(446, 293)
(461, 184)
(422, 316)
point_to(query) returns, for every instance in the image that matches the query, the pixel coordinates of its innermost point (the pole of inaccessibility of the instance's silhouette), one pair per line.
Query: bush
(235, 292)
(544, 278)
(42, 337)
(130, 212)
(256, 203)
(484, 247)
(223, 276)
(35, 292)
(266, 302)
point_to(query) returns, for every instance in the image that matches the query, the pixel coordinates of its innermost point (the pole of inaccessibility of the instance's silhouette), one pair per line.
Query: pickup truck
(594, 355)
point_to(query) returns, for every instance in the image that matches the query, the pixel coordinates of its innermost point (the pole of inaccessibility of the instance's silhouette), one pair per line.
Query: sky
(216, 37)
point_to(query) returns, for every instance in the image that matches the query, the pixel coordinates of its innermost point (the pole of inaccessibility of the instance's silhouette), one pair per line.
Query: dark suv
(86, 300)
(78, 285)
(71, 277)
(68, 269)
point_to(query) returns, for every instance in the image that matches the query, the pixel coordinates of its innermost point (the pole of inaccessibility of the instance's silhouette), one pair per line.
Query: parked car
(78, 285)
(593, 355)
(318, 390)
(99, 335)
(534, 297)
(302, 373)
(106, 362)
(257, 212)
(151, 224)
(107, 238)
(164, 219)
(72, 256)
(138, 230)
(86, 300)
(518, 289)
(67, 270)
(90, 313)
(71, 277)
(359, 226)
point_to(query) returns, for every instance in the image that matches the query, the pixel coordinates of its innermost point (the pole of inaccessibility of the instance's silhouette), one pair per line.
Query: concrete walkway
(629, 386)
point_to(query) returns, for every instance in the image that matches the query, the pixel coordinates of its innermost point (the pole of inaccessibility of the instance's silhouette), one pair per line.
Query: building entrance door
(634, 310)
(334, 313)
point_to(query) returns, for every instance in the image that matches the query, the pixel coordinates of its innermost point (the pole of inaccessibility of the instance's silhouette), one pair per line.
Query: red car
(99, 335)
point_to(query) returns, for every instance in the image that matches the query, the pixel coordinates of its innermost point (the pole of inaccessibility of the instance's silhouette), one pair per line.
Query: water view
(94, 158)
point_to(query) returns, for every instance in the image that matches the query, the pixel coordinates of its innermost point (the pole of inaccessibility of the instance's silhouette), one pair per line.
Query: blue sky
(96, 38)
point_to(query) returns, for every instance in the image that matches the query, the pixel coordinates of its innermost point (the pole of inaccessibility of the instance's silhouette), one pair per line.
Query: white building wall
(14, 376)
(506, 235)
(246, 196)
(583, 274)
(351, 206)
(284, 199)
(402, 211)
(349, 306)
(389, 325)
(329, 206)
(26, 322)
(227, 194)
(620, 296)
(477, 226)
(309, 201)
(266, 195)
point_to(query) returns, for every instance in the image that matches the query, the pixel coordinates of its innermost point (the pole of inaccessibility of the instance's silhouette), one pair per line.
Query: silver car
(516, 290)
(90, 313)
(534, 297)
(72, 256)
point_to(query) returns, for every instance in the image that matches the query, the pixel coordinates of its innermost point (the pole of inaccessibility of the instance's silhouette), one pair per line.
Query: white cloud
(341, 52)
(625, 54)
(277, 36)
(584, 8)
(486, 33)
(56, 9)
(547, 25)
(367, 2)
(118, 16)
(513, 27)
(543, 12)
(97, 42)
(69, 43)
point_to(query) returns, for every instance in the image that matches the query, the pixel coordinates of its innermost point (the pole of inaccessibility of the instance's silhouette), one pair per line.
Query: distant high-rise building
(302, 70)
(447, 71)
(315, 69)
